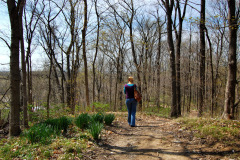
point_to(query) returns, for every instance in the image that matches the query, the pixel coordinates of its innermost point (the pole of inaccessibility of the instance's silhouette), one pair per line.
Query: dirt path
(154, 138)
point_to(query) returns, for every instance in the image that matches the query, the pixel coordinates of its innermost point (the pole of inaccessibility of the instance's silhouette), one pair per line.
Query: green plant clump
(98, 117)
(59, 124)
(109, 118)
(95, 129)
(39, 133)
(82, 121)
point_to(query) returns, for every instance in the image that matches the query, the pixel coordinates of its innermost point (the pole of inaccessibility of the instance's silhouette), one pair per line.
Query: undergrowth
(226, 131)
(158, 111)
(56, 138)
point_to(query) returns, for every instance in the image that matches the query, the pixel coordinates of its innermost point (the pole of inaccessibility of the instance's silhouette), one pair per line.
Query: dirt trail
(154, 138)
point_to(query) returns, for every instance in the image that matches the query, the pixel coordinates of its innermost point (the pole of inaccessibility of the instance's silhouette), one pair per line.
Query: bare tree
(229, 105)
(202, 59)
(15, 11)
(31, 23)
(84, 53)
(24, 73)
(169, 9)
(128, 18)
(178, 34)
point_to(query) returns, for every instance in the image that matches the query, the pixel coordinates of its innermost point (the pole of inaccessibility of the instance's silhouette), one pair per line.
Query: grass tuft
(83, 121)
(40, 133)
(95, 129)
(109, 118)
(98, 117)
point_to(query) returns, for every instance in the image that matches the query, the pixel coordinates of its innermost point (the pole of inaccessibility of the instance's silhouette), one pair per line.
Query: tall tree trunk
(29, 81)
(84, 53)
(62, 81)
(178, 54)
(134, 52)
(68, 84)
(49, 86)
(96, 51)
(202, 60)
(158, 63)
(169, 9)
(212, 74)
(24, 74)
(189, 71)
(229, 106)
(13, 10)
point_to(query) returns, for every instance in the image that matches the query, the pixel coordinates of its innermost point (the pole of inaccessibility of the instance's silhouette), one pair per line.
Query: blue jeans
(132, 107)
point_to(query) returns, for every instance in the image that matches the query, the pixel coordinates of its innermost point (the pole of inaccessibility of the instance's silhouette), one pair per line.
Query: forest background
(178, 51)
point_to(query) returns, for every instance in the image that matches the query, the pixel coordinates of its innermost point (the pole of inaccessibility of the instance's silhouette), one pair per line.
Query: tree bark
(84, 53)
(229, 106)
(14, 11)
(202, 60)
(178, 54)
(169, 9)
(24, 73)
(96, 50)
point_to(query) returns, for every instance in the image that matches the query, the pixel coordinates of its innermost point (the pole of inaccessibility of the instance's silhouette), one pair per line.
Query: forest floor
(155, 138)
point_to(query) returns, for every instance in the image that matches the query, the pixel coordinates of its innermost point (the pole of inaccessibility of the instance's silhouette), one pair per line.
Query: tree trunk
(84, 53)
(202, 60)
(212, 75)
(189, 71)
(169, 9)
(158, 63)
(49, 86)
(96, 51)
(232, 63)
(13, 10)
(24, 79)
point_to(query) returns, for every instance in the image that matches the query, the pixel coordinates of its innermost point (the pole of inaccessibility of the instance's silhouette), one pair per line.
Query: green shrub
(98, 117)
(59, 124)
(108, 119)
(82, 121)
(95, 129)
(39, 133)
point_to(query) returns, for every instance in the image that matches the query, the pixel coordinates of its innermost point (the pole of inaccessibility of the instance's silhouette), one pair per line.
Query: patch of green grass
(40, 133)
(60, 146)
(214, 129)
(98, 117)
(101, 107)
(83, 121)
(109, 118)
(59, 124)
(95, 129)
(161, 111)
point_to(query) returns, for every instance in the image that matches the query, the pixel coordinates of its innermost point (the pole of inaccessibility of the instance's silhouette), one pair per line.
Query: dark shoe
(132, 126)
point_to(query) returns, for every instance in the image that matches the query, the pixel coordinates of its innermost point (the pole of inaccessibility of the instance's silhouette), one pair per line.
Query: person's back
(130, 101)
(129, 90)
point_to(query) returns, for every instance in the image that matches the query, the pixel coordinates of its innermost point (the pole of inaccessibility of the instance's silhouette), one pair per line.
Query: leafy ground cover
(212, 130)
(59, 138)
(154, 137)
